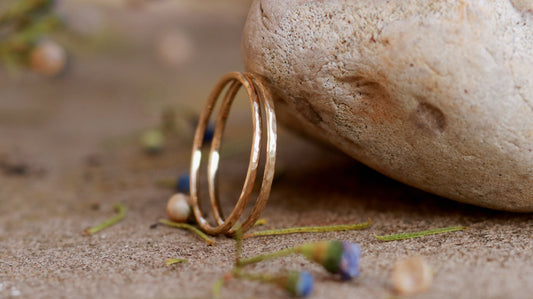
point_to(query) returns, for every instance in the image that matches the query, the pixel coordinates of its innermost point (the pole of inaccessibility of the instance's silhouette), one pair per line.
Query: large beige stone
(436, 94)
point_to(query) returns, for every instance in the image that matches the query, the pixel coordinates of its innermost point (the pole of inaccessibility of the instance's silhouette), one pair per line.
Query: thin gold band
(259, 98)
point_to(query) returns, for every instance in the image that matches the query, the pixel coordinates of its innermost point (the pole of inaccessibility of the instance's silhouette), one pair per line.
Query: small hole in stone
(429, 118)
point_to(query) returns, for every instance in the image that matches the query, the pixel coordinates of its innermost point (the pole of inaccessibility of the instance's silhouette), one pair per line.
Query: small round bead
(299, 283)
(411, 276)
(175, 48)
(153, 141)
(182, 184)
(209, 133)
(179, 208)
(48, 59)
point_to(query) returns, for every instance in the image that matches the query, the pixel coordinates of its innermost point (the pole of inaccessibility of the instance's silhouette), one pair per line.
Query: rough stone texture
(435, 94)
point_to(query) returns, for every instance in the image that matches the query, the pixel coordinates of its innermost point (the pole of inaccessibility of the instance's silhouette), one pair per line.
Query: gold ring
(260, 102)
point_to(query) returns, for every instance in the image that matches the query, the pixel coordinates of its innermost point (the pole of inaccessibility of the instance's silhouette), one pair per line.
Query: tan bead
(175, 48)
(179, 207)
(153, 141)
(411, 275)
(48, 59)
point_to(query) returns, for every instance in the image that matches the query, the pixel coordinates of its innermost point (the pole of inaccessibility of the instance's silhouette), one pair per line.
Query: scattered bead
(179, 208)
(411, 276)
(48, 59)
(183, 184)
(153, 141)
(175, 48)
(337, 257)
(209, 133)
(349, 264)
(298, 283)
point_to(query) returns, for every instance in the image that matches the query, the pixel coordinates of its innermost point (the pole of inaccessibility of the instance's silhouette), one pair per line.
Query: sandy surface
(69, 151)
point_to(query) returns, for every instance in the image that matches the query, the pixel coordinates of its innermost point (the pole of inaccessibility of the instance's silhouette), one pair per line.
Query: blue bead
(299, 283)
(209, 133)
(183, 184)
(305, 284)
(349, 263)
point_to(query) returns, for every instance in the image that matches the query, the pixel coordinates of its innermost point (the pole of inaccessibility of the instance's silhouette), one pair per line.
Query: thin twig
(175, 261)
(217, 286)
(121, 213)
(267, 256)
(188, 227)
(404, 236)
(238, 242)
(237, 272)
(310, 229)
(260, 222)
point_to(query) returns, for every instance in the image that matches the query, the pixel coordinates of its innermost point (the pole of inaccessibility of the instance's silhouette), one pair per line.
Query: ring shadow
(331, 180)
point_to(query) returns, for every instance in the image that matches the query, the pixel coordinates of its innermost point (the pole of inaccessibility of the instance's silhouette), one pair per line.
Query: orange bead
(48, 59)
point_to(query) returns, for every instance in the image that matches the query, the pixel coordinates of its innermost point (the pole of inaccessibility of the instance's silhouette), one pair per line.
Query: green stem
(121, 213)
(30, 34)
(404, 236)
(310, 229)
(21, 8)
(188, 227)
(267, 256)
(255, 277)
(238, 242)
(261, 221)
(217, 286)
(175, 261)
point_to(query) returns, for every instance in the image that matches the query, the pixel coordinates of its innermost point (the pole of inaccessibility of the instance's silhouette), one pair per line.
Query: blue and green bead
(336, 257)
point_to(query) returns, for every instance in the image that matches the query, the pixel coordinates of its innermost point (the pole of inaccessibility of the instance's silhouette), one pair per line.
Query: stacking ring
(261, 103)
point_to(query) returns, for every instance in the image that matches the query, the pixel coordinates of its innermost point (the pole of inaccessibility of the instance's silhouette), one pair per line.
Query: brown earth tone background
(69, 151)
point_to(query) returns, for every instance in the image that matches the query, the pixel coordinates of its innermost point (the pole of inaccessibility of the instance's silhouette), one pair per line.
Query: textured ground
(69, 151)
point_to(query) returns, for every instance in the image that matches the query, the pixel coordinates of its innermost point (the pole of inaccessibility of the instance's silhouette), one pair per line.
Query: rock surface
(436, 94)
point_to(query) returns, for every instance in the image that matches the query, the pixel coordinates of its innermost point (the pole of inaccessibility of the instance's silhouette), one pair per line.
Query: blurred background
(93, 70)
(104, 96)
